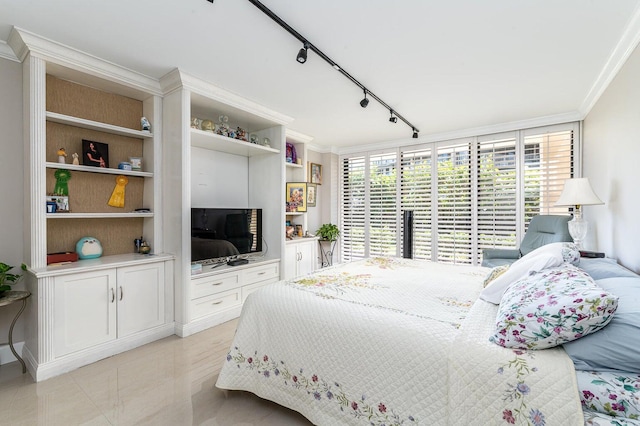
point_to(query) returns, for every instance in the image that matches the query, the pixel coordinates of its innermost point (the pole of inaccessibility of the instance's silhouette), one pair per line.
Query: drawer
(248, 289)
(215, 303)
(261, 273)
(206, 286)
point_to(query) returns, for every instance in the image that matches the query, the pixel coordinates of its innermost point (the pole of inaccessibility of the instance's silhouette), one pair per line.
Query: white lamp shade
(578, 192)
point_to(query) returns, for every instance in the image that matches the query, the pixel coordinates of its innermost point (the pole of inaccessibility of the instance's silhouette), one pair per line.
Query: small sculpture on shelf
(62, 156)
(195, 123)
(241, 134)
(76, 161)
(253, 138)
(223, 127)
(144, 123)
(207, 126)
(145, 248)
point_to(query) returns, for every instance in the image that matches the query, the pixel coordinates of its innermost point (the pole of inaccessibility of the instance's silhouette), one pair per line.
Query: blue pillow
(600, 268)
(617, 346)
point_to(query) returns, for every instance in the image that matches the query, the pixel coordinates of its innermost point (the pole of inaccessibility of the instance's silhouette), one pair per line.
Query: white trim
(625, 47)
(465, 133)
(6, 52)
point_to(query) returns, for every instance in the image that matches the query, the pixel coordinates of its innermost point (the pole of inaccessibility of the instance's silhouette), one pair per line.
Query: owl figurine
(88, 248)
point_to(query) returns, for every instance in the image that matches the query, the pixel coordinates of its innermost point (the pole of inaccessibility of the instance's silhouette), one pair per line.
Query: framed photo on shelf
(95, 154)
(311, 194)
(296, 192)
(315, 173)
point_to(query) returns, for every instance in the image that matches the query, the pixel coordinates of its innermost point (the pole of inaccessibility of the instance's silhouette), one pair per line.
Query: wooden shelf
(215, 142)
(90, 169)
(293, 165)
(95, 125)
(97, 215)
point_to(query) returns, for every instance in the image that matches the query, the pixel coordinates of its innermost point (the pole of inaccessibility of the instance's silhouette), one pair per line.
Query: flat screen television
(219, 234)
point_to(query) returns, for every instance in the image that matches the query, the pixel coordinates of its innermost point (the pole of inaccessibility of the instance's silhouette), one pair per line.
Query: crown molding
(177, 79)
(6, 52)
(297, 136)
(623, 50)
(25, 43)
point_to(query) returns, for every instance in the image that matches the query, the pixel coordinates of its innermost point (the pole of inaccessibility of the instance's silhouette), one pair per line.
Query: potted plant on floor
(7, 279)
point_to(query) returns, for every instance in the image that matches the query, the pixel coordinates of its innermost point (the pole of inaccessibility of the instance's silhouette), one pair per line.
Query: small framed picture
(296, 193)
(95, 154)
(136, 163)
(311, 194)
(61, 201)
(315, 173)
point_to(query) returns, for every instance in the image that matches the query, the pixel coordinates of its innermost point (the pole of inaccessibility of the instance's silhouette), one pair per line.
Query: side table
(7, 298)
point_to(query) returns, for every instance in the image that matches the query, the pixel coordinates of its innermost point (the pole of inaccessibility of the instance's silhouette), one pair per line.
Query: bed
(389, 341)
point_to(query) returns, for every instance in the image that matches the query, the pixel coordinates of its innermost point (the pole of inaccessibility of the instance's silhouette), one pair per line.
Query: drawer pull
(261, 273)
(217, 303)
(218, 283)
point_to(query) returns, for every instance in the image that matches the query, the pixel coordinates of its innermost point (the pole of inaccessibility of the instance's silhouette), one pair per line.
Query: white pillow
(547, 256)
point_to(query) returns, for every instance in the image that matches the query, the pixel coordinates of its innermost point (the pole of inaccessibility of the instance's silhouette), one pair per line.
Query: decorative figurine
(62, 154)
(223, 127)
(88, 248)
(241, 134)
(146, 126)
(266, 142)
(75, 161)
(253, 138)
(207, 126)
(145, 248)
(62, 177)
(195, 123)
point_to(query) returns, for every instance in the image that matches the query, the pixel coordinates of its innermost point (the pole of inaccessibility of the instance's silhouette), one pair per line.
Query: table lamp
(577, 192)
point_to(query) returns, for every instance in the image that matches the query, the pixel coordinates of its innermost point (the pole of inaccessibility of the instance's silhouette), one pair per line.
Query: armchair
(543, 229)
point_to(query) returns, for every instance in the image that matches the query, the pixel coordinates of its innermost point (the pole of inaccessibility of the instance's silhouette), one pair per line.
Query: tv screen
(222, 233)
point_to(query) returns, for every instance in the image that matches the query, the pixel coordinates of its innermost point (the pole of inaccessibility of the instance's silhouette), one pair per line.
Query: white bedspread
(389, 342)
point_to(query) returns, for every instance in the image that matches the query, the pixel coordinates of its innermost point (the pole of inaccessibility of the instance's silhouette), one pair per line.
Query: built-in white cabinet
(72, 100)
(301, 257)
(97, 307)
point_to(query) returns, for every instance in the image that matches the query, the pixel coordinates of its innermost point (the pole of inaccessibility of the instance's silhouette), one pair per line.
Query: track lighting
(302, 54)
(364, 102)
(302, 58)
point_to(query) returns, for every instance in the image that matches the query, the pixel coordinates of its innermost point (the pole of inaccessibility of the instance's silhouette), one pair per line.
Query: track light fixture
(302, 58)
(364, 102)
(302, 54)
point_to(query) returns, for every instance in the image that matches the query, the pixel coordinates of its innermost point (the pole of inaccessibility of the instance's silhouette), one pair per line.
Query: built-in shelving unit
(90, 309)
(206, 169)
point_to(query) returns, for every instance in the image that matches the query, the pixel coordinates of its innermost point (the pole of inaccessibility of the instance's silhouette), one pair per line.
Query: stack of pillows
(593, 311)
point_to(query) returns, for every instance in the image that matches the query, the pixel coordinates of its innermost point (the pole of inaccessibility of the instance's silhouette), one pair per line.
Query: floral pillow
(554, 306)
(615, 394)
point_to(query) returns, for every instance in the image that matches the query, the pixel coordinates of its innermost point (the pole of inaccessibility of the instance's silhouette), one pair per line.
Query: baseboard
(200, 324)
(64, 364)
(6, 356)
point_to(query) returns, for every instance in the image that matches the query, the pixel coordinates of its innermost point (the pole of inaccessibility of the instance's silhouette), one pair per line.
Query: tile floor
(168, 382)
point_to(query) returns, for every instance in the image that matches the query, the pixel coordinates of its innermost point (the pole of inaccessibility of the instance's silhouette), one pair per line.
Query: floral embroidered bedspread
(388, 341)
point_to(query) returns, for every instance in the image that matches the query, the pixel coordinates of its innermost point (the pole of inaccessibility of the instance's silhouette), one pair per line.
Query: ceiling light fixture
(393, 119)
(364, 102)
(302, 54)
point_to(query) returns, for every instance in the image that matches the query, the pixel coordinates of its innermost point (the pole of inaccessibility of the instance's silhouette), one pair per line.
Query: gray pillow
(600, 268)
(617, 346)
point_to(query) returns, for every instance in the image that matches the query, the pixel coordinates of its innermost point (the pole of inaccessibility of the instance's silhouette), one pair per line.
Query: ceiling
(447, 66)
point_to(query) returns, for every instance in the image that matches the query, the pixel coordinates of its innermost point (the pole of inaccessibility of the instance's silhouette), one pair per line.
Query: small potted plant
(7, 279)
(328, 232)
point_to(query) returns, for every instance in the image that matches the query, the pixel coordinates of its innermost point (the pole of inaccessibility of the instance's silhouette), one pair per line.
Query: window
(466, 195)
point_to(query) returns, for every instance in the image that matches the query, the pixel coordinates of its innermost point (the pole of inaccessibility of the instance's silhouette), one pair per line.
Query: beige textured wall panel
(115, 235)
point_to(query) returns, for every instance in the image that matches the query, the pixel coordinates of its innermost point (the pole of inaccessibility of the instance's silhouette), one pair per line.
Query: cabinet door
(306, 257)
(140, 295)
(84, 311)
(290, 261)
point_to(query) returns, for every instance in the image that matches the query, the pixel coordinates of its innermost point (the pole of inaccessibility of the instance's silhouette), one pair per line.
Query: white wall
(219, 179)
(611, 137)
(11, 190)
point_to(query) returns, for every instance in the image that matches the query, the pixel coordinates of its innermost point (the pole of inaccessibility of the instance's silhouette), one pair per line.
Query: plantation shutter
(548, 161)
(496, 193)
(416, 196)
(352, 212)
(454, 204)
(383, 212)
